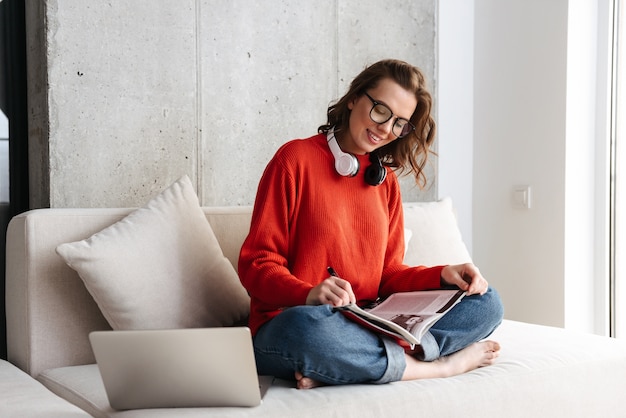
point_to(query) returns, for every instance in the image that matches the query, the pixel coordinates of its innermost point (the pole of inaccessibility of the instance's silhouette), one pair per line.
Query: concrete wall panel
(141, 92)
(268, 74)
(122, 89)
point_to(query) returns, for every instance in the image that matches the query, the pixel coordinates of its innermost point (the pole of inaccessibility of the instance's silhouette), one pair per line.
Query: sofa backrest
(49, 311)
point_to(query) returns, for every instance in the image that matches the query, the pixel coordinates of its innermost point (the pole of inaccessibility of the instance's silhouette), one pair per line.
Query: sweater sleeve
(263, 266)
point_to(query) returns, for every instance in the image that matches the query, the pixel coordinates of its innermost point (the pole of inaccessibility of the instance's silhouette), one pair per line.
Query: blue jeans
(324, 345)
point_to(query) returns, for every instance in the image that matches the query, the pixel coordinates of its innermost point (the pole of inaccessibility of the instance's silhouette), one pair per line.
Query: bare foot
(477, 355)
(303, 382)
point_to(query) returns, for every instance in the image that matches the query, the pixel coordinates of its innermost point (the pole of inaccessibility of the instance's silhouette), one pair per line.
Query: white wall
(455, 94)
(519, 91)
(536, 123)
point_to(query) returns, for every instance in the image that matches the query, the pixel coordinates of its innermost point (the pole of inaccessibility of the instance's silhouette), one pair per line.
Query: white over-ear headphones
(346, 164)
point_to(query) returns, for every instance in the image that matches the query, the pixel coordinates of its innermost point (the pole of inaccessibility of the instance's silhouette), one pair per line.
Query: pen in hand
(346, 287)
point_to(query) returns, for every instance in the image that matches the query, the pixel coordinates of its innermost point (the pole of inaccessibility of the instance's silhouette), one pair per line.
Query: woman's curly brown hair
(406, 153)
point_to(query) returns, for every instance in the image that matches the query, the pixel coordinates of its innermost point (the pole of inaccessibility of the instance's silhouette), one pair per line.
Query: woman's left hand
(466, 276)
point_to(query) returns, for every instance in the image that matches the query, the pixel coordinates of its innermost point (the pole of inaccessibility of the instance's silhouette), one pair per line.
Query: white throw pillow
(407, 238)
(436, 238)
(160, 267)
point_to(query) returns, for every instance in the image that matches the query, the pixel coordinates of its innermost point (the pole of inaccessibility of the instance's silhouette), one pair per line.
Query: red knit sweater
(307, 217)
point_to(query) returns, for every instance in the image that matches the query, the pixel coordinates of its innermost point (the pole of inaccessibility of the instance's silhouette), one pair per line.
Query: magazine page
(416, 312)
(426, 303)
(407, 315)
(378, 324)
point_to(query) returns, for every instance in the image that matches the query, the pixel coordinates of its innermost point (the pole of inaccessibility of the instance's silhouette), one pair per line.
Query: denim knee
(492, 309)
(472, 320)
(322, 344)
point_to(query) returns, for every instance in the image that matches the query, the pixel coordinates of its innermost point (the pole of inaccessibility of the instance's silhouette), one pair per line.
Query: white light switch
(521, 197)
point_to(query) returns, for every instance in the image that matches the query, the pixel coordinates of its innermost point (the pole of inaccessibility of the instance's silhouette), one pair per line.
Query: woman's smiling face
(365, 135)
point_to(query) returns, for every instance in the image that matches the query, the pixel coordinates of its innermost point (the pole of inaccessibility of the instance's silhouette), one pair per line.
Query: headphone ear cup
(347, 165)
(376, 173)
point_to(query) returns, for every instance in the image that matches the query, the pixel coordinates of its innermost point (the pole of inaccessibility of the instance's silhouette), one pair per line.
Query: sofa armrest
(49, 311)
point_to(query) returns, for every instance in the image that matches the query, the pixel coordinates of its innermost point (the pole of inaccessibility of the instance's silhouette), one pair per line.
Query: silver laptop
(177, 368)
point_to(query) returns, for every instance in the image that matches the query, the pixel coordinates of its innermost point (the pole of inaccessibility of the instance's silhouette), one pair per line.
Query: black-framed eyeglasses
(380, 113)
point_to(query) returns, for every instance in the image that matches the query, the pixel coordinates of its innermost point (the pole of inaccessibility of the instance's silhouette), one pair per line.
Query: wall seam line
(198, 121)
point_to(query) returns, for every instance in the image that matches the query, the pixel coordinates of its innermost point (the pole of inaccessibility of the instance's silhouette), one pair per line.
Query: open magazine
(405, 316)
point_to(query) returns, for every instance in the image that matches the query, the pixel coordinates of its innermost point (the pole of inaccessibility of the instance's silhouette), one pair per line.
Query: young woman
(334, 200)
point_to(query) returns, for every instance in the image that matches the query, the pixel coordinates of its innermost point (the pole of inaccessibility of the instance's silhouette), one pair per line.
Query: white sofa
(542, 371)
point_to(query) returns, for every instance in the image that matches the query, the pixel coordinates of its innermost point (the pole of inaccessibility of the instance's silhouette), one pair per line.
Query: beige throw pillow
(160, 267)
(436, 238)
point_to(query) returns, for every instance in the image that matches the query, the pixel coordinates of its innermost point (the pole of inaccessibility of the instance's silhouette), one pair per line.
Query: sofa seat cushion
(160, 267)
(542, 371)
(24, 397)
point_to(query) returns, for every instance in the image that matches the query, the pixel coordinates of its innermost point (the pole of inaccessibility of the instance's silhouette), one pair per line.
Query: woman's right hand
(333, 291)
